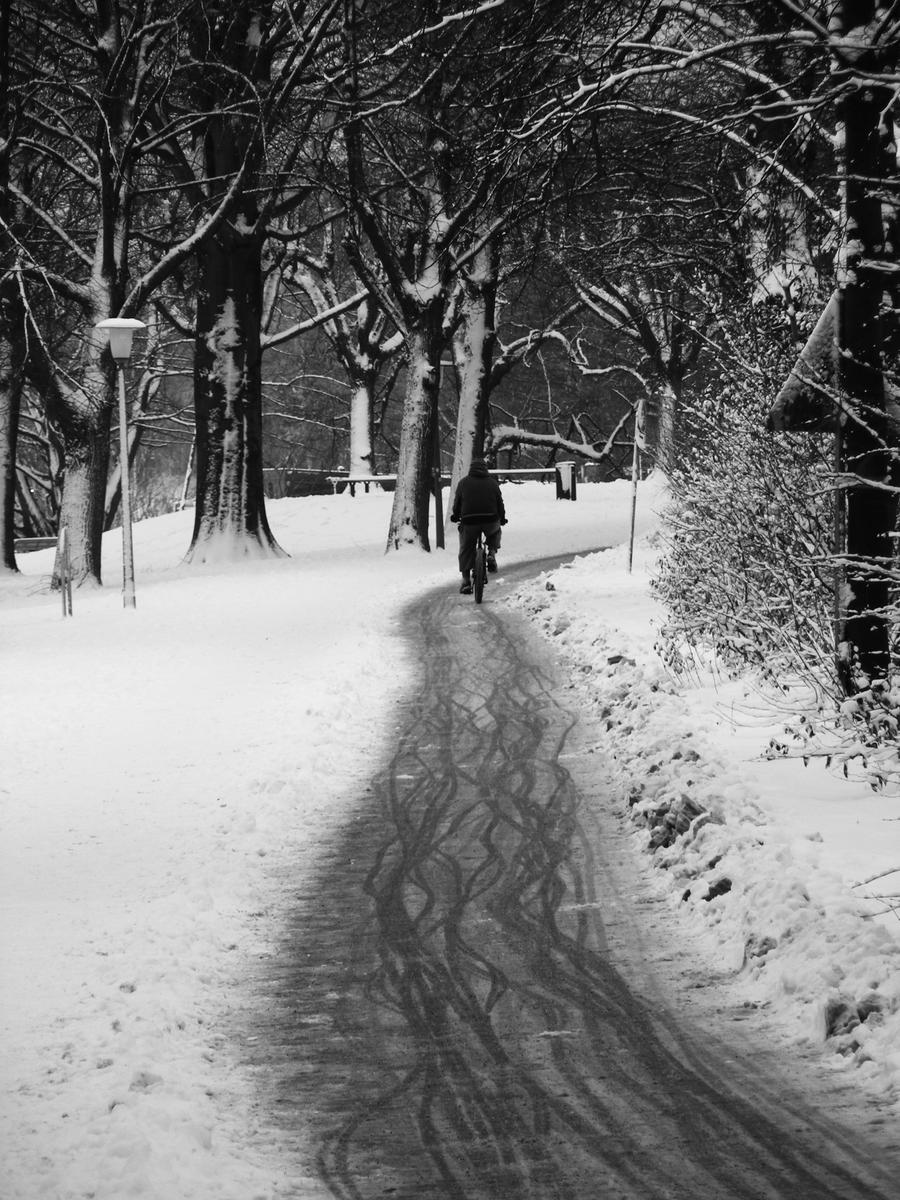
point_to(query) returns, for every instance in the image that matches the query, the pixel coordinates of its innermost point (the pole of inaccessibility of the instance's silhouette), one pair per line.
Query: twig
(880, 875)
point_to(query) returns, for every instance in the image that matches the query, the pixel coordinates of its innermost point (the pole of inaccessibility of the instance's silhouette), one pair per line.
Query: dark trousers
(468, 536)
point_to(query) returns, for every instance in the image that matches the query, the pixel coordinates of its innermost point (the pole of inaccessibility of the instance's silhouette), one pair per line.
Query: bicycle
(480, 573)
(482, 552)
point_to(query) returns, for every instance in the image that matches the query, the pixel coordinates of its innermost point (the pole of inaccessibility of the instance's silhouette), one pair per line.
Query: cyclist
(477, 505)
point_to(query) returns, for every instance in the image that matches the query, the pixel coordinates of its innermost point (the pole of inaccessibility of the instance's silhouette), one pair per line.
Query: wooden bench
(562, 473)
(25, 545)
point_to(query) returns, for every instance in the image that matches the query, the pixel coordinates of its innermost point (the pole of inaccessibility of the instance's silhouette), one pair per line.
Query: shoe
(491, 564)
(466, 586)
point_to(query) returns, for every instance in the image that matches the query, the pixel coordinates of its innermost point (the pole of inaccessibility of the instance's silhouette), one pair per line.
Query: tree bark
(10, 393)
(82, 414)
(667, 427)
(83, 505)
(362, 427)
(230, 516)
(863, 655)
(11, 334)
(473, 353)
(409, 515)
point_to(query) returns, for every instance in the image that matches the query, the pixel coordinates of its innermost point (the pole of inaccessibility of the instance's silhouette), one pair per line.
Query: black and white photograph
(449, 600)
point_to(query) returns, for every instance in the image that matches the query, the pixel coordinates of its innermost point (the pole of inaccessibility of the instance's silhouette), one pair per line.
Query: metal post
(436, 468)
(65, 571)
(128, 598)
(640, 443)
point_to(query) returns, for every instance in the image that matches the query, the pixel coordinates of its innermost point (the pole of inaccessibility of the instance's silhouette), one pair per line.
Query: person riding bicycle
(477, 506)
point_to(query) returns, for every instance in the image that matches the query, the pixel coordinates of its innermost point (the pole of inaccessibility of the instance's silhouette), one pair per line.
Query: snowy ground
(158, 765)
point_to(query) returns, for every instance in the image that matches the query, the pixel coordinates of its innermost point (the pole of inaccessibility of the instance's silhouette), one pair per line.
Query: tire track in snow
(450, 1021)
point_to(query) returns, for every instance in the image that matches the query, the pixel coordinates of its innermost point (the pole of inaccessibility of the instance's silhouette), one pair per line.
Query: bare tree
(74, 175)
(249, 65)
(666, 330)
(433, 181)
(82, 168)
(12, 324)
(865, 44)
(358, 329)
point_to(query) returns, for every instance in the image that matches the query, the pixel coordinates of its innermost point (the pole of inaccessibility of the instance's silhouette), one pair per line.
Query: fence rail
(562, 473)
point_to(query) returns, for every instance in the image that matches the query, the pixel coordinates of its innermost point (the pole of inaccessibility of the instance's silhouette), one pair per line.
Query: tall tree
(474, 344)
(12, 341)
(865, 43)
(89, 77)
(411, 240)
(91, 71)
(231, 58)
(357, 327)
(249, 61)
(432, 95)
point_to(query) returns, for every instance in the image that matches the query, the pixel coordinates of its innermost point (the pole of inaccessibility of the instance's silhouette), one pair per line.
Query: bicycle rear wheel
(480, 573)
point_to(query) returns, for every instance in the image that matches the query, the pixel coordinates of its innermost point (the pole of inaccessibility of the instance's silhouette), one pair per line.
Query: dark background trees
(394, 173)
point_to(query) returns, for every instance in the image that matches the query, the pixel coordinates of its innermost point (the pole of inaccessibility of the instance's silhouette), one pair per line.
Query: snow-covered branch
(598, 451)
(320, 318)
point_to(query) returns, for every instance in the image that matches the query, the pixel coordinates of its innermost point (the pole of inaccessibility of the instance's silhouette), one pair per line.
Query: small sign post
(640, 443)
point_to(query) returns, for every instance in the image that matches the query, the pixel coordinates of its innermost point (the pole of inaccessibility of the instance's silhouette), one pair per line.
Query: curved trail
(451, 1019)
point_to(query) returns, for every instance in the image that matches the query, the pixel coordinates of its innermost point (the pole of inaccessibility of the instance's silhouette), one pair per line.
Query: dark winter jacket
(478, 499)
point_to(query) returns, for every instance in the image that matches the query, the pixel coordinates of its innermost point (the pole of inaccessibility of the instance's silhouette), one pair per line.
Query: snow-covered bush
(746, 571)
(749, 570)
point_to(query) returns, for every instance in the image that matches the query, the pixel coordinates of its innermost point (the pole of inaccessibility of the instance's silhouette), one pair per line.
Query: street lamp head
(121, 331)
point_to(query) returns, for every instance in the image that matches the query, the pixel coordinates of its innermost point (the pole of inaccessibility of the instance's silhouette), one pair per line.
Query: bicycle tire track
(461, 1032)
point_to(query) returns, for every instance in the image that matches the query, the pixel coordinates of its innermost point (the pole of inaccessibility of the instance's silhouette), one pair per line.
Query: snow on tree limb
(515, 435)
(328, 314)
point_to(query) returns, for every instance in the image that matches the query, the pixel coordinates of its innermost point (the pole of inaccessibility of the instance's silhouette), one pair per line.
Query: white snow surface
(160, 765)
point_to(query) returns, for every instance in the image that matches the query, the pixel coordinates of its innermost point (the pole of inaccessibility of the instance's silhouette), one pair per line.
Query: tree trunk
(82, 509)
(230, 516)
(11, 359)
(863, 655)
(667, 427)
(83, 416)
(12, 341)
(409, 516)
(473, 357)
(362, 427)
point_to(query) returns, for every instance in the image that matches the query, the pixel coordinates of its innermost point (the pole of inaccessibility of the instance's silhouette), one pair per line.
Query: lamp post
(121, 331)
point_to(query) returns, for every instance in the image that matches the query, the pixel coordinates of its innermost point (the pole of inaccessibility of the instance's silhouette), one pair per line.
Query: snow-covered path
(158, 766)
(163, 769)
(450, 1012)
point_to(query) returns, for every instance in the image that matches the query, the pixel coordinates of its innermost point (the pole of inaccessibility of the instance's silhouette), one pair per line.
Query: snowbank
(763, 859)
